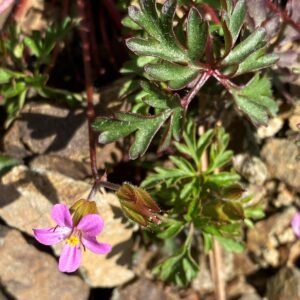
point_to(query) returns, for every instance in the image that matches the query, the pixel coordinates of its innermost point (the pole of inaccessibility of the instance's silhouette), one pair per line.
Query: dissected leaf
(162, 41)
(180, 268)
(125, 123)
(255, 100)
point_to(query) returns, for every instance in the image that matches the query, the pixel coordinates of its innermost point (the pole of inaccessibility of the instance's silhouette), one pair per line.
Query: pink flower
(4, 4)
(296, 224)
(82, 234)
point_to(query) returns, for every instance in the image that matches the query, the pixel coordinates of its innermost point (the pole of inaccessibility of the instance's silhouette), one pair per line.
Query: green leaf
(161, 41)
(164, 174)
(6, 75)
(127, 22)
(136, 65)
(125, 123)
(158, 99)
(253, 42)
(10, 91)
(231, 245)
(180, 268)
(178, 76)
(203, 142)
(6, 163)
(256, 61)
(236, 19)
(197, 33)
(33, 45)
(170, 229)
(255, 213)
(182, 164)
(222, 179)
(208, 242)
(255, 100)
(234, 211)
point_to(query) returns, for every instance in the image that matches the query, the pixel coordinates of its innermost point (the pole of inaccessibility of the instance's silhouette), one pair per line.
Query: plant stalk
(185, 101)
(91, 114)
(215, 255)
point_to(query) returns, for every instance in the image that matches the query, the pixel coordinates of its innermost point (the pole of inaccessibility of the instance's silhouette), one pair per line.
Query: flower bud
(82, 208)
(138, 205)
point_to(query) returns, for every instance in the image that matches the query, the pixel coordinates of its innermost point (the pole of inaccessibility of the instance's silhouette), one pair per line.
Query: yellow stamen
(73, 241)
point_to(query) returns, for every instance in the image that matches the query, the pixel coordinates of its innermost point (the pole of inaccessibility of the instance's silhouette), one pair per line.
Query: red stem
(88, 85)
(113, 12)
(210, 11)
(229, 85)
(284, 16)
(193, 92)
(93, 39)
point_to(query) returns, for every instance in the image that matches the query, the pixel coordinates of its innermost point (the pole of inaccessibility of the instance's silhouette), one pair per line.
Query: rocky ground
(51, 143)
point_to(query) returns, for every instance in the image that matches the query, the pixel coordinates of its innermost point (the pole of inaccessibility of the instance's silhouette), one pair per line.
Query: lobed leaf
(255, 100)
(126, 123)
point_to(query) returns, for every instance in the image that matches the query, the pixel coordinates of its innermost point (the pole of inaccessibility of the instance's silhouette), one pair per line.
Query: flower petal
(91, 225)
(61, 215)
(51, 236)
(93, 245)
(296, 224)
(4, 4)
(70, 258)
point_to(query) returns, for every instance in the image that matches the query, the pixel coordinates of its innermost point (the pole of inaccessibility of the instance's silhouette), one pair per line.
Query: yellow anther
(73, 241)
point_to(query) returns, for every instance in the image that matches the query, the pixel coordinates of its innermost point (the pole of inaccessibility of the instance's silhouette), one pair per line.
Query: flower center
(73, 240)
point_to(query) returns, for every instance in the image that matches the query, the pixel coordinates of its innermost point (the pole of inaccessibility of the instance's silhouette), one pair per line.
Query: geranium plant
(191, 196)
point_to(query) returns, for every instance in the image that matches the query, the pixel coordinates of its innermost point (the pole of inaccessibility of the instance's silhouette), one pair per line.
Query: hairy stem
(86, 52)
(185, 101)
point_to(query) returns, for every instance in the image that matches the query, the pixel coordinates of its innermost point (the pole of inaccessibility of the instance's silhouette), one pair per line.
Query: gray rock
(284, 285)
(274, 125)
(280, 157)
(26, 200)
(48, 129)
(28, 274)
(141, 289)
(285, 196)
(250, 296)
(251, 168)
(267, 236)
(63, 165)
